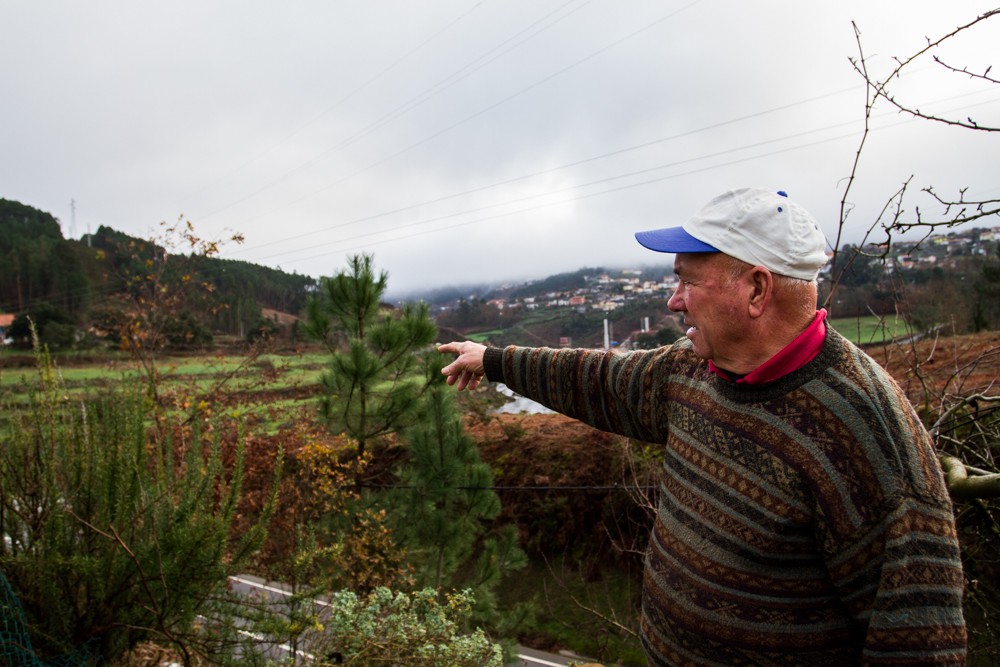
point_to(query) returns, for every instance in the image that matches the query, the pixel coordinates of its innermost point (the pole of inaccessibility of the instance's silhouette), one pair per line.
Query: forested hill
(67, 286)
(81, 293)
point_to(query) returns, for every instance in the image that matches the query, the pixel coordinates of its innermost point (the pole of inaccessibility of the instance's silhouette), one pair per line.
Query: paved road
(527, 657)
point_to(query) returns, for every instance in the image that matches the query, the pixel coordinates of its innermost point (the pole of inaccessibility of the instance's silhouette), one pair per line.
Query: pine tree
(449, 499)
(445, 513)
(375, 380)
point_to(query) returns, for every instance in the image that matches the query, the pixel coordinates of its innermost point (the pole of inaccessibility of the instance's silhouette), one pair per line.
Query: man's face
(713, 305)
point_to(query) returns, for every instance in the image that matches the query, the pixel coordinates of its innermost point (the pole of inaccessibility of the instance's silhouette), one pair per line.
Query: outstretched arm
(467, 370)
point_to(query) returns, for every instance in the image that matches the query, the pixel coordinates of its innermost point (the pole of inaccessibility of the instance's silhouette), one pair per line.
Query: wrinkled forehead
(697, 261)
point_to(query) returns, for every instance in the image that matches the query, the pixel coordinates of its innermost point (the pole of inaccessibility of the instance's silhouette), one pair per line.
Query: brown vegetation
(956, 364)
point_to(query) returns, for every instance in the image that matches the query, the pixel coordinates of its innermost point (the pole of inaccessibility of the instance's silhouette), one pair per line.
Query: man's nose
(675, 302)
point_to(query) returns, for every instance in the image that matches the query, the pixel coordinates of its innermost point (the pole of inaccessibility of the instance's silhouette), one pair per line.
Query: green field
(272, 382)
(871, 329)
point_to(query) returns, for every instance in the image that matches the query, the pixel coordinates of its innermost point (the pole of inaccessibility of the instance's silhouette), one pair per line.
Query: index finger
(449, 347)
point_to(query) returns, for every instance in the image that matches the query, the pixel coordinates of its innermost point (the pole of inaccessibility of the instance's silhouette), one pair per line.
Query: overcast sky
(462, 141)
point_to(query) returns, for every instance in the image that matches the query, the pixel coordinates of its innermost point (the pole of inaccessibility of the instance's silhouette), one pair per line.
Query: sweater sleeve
(889, 536)
(902, 581)
(602, 389)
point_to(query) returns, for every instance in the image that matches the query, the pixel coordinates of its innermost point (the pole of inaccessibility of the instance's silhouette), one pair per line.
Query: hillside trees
(42, 276)
(26, 238)
(273, 288)
(986, 291)
(230, 294)
(87, 285)
(473, 313)
(55, 326)
(242, 288)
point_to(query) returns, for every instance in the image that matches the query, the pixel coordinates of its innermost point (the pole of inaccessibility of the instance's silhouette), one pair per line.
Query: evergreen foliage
(80, 284)
(374, 382)
(474, 313)
(37, 266)
(448, 500)
(273, 288)
(382, 380)
(664, 336)
(110, 537)
(986, 290)
(445, 511)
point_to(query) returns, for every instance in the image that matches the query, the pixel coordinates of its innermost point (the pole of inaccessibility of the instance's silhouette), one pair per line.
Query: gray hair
(801, 293)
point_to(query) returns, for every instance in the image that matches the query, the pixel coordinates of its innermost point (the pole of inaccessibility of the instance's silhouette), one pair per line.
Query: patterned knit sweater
(801, 522)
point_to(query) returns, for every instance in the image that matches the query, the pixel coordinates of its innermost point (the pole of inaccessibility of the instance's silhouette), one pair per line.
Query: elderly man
(803, 517)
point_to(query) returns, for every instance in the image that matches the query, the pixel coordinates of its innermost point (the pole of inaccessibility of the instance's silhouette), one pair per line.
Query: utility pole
(72, 218)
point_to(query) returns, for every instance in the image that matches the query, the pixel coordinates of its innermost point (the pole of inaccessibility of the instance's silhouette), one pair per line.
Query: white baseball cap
(760, 227)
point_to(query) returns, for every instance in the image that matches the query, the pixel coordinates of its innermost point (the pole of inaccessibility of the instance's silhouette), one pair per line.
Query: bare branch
(961, 403)
(965, 70)
(845, 208)
(607, 619)
(881, 88)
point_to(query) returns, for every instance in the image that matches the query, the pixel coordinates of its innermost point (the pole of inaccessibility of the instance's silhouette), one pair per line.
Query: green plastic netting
(15, 642)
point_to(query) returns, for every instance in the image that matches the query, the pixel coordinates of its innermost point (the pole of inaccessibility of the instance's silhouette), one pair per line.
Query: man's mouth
(691, 331)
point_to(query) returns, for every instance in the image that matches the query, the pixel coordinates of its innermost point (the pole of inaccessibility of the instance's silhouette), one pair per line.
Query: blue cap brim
(672, 239)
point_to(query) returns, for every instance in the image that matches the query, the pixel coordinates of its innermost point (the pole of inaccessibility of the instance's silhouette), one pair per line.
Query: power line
(391, 66)
(612, 153)
(208, 274)
(412, 103)
(555, 203)
(568, 165)
(616, 152)
(477, 114)
(567, 189)
(591, 183)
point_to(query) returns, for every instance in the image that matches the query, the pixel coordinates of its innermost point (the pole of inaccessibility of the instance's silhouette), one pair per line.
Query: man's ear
(761, 284)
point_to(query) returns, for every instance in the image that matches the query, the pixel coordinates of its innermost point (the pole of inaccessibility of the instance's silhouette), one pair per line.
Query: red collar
(790, 358)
